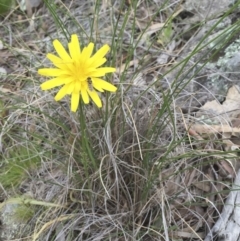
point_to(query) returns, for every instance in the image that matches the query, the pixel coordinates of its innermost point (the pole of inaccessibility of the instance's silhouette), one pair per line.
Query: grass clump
(5, 6)
(129, 170)
(20, 164)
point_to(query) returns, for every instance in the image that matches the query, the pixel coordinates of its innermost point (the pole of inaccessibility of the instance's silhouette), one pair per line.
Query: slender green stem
(84, 137)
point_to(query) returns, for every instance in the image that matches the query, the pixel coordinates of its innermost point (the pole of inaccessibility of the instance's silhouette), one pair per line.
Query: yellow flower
(79, 72)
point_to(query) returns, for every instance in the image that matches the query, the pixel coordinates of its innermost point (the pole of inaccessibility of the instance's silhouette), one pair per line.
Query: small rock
(1, 45)
(3, 71)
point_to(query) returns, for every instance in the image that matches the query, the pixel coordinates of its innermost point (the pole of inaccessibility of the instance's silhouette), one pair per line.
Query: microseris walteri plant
(78, 72)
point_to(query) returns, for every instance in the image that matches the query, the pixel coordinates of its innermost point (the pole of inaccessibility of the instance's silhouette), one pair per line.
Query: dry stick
(227, 226)
(214, 128)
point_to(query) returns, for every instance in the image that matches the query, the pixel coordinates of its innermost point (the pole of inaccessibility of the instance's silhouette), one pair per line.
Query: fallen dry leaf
(229, 108)
(213, 129)
(214, 118)
(227, 169)
(202, 185)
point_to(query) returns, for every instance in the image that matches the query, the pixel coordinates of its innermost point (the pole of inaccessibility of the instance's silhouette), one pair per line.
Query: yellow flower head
(78, 72)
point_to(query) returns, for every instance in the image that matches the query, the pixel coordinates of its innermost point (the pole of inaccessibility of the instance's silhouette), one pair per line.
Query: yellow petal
(55, 82)
(98, 63)
(87, 51)
(61, 51)
(75, 101)
(59, 62)
(54, 58)
(74, 47)
(103, 85)
(77, 87)
(61, 93)
(100, 54)
(85, 96)
(94, 96)
(97, 86)
(52, 72)
(70, 88)
(102, 71)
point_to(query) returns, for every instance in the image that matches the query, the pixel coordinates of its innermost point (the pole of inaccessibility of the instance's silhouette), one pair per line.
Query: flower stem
(85, 140)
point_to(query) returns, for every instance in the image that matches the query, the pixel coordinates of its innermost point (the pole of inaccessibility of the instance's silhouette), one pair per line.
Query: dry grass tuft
(140, 174)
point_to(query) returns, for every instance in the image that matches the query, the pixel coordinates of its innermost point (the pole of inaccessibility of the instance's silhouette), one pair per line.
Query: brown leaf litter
(196, 188)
